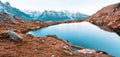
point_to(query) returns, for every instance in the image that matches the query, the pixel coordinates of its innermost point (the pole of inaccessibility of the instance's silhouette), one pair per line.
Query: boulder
(14, 36)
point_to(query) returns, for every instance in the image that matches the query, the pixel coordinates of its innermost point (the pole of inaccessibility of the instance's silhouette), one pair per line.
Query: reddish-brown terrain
(107, 18)
(32, 46)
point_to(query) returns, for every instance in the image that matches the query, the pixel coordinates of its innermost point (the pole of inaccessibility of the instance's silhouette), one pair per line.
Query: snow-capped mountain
(47, 15)
(78, 15)
(75, 15)
(53, 15)
(60, 15)
(7, 8)
(33, 14)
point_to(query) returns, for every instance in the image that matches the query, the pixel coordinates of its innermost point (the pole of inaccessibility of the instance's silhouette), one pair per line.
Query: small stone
(22, 21)
(52, 56)
(101, 52)
(65, 47)
(67, 52)
(37, 27)
(42, 41)
(37, 22)
(33, 28)
(36, 49)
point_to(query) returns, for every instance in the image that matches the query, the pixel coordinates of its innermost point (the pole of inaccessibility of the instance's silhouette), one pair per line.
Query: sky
(84, 6)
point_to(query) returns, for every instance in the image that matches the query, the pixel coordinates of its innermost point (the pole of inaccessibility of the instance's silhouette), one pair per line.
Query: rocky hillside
(6, 17)
(108, 17)
(14, 42)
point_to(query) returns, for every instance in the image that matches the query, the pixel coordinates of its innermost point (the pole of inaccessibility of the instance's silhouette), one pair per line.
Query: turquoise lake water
(84, 34)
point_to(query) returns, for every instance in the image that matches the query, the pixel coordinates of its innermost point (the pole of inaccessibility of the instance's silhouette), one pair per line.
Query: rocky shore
(14, 42)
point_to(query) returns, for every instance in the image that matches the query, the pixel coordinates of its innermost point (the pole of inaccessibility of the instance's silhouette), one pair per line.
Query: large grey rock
(14, 36)
(87, 51)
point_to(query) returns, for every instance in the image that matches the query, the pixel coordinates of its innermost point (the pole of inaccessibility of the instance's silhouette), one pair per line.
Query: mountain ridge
(7, 8)
(108, 18)
(37, 15)
(52, 15)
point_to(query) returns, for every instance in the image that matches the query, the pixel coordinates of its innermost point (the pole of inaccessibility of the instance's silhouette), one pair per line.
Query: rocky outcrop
(14, 36)
(86, 51)
(106, 17)
(5, 17)
(115, 25)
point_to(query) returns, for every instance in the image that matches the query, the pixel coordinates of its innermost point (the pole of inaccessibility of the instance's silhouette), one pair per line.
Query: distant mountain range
(60, 15)
(33, 14)
(50, 15)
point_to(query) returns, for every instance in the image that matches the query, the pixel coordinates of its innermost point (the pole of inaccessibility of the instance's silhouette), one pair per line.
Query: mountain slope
(6, 17)
(7, 8)
(108, 17)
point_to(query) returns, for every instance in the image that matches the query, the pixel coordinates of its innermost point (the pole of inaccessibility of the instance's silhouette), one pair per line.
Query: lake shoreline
(21, 27)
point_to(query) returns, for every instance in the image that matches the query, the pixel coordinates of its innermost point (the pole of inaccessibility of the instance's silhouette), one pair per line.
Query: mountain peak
(7, 8)
(7, 3)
